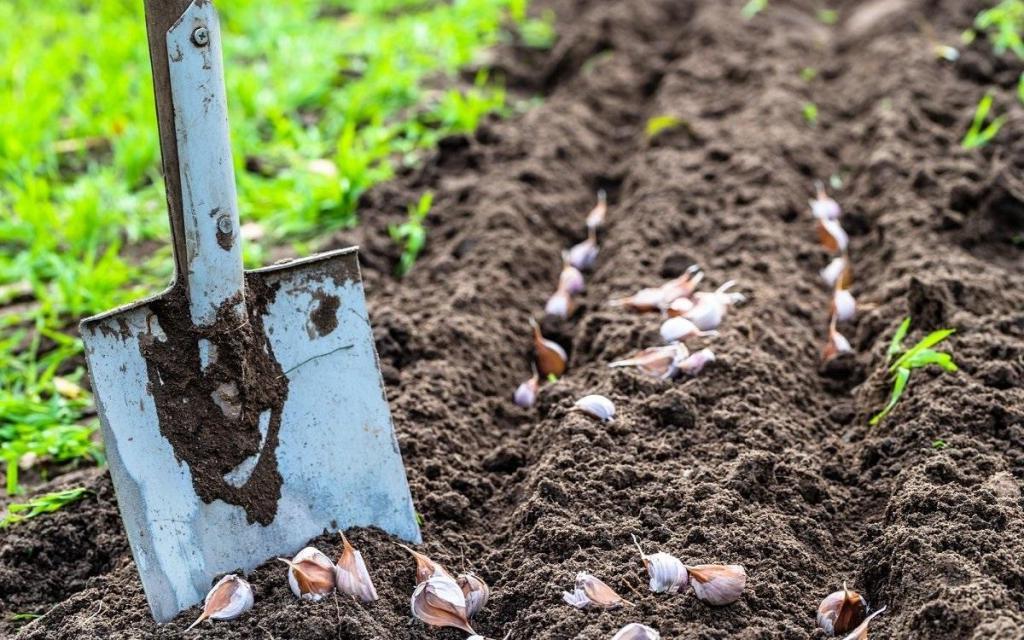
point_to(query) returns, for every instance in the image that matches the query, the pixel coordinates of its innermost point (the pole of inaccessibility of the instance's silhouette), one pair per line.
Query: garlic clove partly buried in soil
(589, 591)
(595, 219)
(571, 278)
(311, 574)
(837, 344)
(351, 575)
(844, 307)
(665, 296)
(440, 602)
(584, 255)
(832, 236)
(425, 567)
(229, 598)
(695, 362)
(476, 592)
(710, 308)
(596, 406)
(635, 631)
(823, 207)
(678, 329)
(551, 357)
(559, 305)
(718, 584)
(861, 632)
(526, 393)
(649, 299)
(841, 612)
(837, 273)
(660, 362)
(667, 572)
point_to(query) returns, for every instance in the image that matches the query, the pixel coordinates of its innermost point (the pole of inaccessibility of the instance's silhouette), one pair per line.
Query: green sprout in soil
(939, 444)
(907, 360)
(979, 135)
(810, 112)
(657, 124)
(1002, 25)
(828, 16)
(1020, 88)
(808, 74)
(17, 512)
(753, 7)
(411, 234)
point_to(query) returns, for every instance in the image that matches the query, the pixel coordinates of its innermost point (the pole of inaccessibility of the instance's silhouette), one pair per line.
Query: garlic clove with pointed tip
(667, 572)
(351, 575)
(675, 292)
(718, 584)
(680, 306)
(832, 236)
(584, 254)
(648, 299)
(571, 279)
(677, 329)
(440, 602)
(837, 343)
(311, 574)
(844, 307)
(526, 393)
(595, 219)
(695, 362)
(476, 592)
(425, 567)
(861, 632)
(823, 207)
(841, 612)
(589, 591)
(710, 307)
(551, 357)
(660, 362)
(559, 305)
(837, 273)
(596, 406)
(636, 631)
(229, 598)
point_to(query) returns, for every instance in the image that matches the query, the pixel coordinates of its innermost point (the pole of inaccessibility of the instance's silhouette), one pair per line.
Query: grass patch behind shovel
(907, 360)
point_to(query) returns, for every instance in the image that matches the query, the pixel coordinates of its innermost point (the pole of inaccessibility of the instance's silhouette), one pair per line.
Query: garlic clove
(596, 406)
(440, 602)
(710, 308)
(635, 631)
(526, 393)
(672, 293)
(832, 236)
(476, 592)
(841, 612)
(677, 329)
(844, 307)
(595, 219)
(837, 273)
(559, 305)
(695, 362)
(425, 567)
(837, 343)
(823, 207)
(229, 598)
(551, 357)
(589, 591)
(649, 299)
(681, 287)
(667, 572)
(351, 575)
(680, 306)
(571, 279)
(718, 584)
(311, 574)
(861, 632)
(584, 255)
(660, 362)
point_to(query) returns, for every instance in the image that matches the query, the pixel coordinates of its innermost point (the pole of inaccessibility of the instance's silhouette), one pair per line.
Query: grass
(753, 7)
(411, 235)
(1002, 25)
(979, 134)
(658, 124)
(326, 97)
(810, 113)
(907, 360)
(48, 503)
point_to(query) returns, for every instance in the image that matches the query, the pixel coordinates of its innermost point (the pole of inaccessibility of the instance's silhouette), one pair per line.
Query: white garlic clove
(590, 591)
(675, 292)
(526, 393)
(351, 575)
(559, 305)
(425, 567)
(649, 299)
(695, 362)
(681, 287)
(667, 572)
(841, 612)
(311, 574)
(584, 255)
(440, 602)
(677, 329)
(679, 306)
(660, 362)
(229, 598)
(710, 308)
(823, 207)
(595, 219)
(596, 406)
(837, 343)
(476, 592)
(837, 273)
(844, 307)
(861, 632)
(551, 357)
(832, 236)
(635, 631)
(718, 584)
(571, 279)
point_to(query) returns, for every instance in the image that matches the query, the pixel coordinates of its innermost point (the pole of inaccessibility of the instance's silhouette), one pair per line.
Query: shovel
(243, 412)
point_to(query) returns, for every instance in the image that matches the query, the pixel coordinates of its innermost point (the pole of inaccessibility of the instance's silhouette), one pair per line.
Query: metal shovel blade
(243, 412)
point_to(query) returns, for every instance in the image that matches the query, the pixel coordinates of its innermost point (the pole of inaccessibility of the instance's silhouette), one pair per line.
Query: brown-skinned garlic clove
(659, 362)
(526, 393)
(584, 254)
(425, 567)
(636, 631)
(667, 572)
(351, 575)
(476, 592)
(844, 306)
(678, 329)
(596, 406)
(841, 612)
(311, 574)
(861, 632)
(589, 591)
(551, 357)
(718, 584)
(832, 236)
(595, 219)
(439, 602)
(229, 598)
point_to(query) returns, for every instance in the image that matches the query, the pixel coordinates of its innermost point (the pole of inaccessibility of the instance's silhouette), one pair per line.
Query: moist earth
(761, 460)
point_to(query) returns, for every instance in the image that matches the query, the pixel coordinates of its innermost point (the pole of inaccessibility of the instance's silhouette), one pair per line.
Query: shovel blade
(336, 449)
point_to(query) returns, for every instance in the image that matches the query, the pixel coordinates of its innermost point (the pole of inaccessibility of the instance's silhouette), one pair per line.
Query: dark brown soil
(761, 460)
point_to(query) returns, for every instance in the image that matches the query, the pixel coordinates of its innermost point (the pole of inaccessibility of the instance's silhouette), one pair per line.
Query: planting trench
(763, 460)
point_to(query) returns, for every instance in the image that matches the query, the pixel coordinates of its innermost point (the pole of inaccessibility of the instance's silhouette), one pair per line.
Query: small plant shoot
(411, 234)
(979, 134)
(48, 503)
(905, 361)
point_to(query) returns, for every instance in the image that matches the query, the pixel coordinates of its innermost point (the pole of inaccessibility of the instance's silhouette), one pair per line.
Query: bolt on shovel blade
(336, 452)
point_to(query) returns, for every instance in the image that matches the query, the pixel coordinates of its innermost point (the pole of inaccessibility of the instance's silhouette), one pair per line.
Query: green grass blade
(896, 346)
(898, 386)
(929, 341)
(47, 503)
(928, 356)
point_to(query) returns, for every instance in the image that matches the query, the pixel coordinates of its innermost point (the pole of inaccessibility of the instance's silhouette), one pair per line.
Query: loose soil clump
(761, 460)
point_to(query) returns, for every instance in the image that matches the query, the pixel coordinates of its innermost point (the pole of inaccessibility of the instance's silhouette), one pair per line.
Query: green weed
(979, 134)
(753, 7)
(810, 113)
(828, 16)
(1002, 25)
(808, 74)
(906, 361)
(657, 124)
(411, 234)
(48, 503)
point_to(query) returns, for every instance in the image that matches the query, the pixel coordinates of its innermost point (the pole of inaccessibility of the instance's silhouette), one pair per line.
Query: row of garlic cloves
(837, 275)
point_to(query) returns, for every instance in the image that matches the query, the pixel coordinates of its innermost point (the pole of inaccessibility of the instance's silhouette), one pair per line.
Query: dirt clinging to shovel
(220, 405)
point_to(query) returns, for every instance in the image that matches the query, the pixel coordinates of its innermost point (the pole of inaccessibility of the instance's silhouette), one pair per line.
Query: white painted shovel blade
(337, 451)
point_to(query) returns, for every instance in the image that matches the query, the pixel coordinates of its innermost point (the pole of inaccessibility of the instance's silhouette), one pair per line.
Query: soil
(761, 460)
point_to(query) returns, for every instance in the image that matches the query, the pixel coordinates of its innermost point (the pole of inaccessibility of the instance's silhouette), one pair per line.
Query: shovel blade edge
(337, 453)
